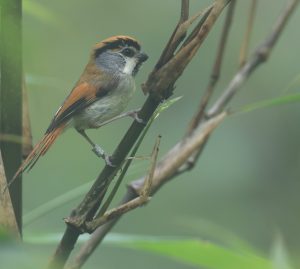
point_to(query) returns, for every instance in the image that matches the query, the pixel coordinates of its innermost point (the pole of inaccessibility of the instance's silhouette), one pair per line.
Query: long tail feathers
(39, 150)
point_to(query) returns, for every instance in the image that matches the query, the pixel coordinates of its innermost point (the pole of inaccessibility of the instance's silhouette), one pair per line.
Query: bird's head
(119, 55)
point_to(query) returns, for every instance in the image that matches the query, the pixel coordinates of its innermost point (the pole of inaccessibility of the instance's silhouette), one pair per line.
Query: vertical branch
(215, 74)
(26, 133)
(185, 6)
(245, 44)
(11, 94)
(173, 43)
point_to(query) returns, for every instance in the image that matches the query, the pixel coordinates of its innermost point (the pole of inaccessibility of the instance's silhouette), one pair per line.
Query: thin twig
(215, 74)
(174, 42)
(142, 199)
(246, 41)
(125, 168)
(214, 77)
(260, 55)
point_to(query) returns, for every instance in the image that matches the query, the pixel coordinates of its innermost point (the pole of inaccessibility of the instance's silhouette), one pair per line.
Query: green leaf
(203, 254)
(287, 99)
(166, 105)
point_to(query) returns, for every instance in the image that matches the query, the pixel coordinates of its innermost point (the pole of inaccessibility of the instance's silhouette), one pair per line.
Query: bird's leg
(96, 148)
(132, 114)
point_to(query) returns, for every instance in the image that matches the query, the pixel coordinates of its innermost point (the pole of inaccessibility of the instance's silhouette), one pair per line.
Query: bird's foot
(134, 114)
(101, 153)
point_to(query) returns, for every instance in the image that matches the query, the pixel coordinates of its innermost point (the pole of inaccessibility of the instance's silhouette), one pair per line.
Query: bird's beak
(142, 57)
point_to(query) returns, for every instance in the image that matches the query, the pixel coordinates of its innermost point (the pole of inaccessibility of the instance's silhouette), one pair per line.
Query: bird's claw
(101, 153)
(134, 115)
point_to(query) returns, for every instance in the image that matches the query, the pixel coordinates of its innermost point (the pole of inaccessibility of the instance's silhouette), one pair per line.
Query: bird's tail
(39, 150)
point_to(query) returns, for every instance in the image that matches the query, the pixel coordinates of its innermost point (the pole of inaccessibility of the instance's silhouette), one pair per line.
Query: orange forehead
(115, 42)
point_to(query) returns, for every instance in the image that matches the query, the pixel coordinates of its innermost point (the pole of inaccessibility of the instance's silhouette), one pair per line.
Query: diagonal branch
(142, 199)
(175, 38)
(164, 171)
(173, 161)
(159, 85)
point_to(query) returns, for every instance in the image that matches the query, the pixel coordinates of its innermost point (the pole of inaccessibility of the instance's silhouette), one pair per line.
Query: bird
(101, 94)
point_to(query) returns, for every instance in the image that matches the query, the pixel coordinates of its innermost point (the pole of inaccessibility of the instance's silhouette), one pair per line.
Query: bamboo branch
(215, 74)
(173, 161)
(11, 95)
(159, 85)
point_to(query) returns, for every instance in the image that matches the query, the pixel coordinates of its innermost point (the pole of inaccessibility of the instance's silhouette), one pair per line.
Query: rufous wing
(80, 97)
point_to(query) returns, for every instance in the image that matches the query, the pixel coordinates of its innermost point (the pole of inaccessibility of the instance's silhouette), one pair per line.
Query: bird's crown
(116, 42)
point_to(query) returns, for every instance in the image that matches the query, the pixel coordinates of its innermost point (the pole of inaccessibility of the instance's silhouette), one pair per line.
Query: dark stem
(173, 44)
(86, 210)
(11, 95)
(96, 238)
(63, 252)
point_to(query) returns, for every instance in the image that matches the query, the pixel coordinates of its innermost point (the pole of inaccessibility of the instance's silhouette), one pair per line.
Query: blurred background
(247, 179)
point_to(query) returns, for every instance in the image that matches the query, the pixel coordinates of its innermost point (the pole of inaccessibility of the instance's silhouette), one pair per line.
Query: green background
(246, 181)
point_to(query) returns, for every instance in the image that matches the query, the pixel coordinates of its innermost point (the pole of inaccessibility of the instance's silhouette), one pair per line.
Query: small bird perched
(100, 95)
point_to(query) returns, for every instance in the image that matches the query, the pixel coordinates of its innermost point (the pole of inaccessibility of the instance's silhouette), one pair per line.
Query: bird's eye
(128, 52)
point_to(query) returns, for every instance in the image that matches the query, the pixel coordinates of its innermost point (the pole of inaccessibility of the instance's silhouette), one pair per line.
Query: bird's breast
(108, 106)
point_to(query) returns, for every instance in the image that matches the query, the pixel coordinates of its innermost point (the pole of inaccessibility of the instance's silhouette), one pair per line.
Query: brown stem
(215, 74)
(245, 44)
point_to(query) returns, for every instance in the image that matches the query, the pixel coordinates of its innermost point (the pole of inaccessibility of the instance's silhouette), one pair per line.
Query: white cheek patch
(129, 66)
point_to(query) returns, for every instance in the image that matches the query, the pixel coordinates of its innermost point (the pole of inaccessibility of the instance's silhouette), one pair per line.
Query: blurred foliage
(204, 254)
(199, 253)
(41, 13)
